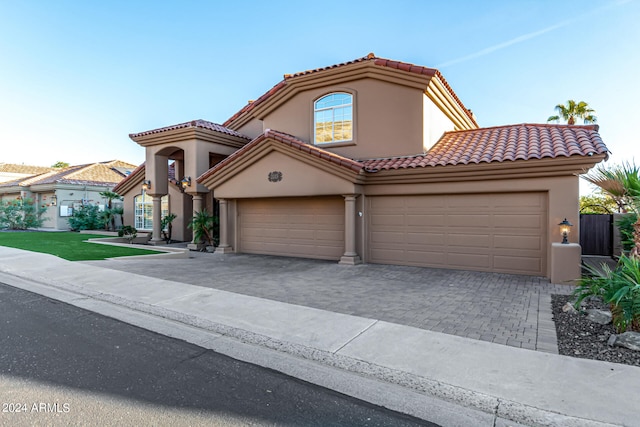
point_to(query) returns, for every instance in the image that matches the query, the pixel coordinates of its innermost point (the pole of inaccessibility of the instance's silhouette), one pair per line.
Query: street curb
(497, 408)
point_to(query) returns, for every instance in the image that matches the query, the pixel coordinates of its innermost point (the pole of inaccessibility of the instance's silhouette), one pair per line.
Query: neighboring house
(60, 191)
(378, 161)
(13, 172)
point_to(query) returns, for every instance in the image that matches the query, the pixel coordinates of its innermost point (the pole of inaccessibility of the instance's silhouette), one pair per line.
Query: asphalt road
(62, 365)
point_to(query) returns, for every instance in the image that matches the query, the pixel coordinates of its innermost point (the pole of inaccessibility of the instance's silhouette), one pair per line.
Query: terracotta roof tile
(101, 174)
(404, 66)
(203, 124)
(291, 141)
(500, 144)
(23, 169)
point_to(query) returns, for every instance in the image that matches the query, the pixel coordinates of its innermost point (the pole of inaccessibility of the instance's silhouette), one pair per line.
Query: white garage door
(500, 232)
(297, 227)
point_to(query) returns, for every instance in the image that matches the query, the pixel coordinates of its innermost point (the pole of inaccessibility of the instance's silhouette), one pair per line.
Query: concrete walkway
(443, 378)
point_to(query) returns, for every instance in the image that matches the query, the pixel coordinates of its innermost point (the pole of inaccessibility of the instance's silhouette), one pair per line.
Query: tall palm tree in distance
(573, 110)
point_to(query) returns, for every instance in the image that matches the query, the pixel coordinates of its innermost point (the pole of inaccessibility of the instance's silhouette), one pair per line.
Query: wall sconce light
(185, 182)
(565, 229)
(54, 200)
(146, 185)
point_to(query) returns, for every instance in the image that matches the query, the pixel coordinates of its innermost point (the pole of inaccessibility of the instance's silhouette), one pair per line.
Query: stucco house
(375, 161)
(62, 190)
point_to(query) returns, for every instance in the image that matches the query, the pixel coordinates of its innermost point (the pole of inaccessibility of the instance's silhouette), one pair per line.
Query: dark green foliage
(625, 225)
(86, 218)
(205, 227)
(20, 214)
(128, 232)
(620, 288)
(167, 227)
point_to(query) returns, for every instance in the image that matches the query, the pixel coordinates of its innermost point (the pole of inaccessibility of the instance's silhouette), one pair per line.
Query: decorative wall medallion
(275, 176)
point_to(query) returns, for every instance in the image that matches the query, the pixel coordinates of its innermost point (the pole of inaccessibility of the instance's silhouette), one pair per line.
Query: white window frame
(143, 210)
(333, 111)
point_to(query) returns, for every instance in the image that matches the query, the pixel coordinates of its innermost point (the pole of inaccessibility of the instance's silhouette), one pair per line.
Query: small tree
(110, 215)
(166, 226)
(203, 225)
(85, 218)
(20, 214)
(60, 165)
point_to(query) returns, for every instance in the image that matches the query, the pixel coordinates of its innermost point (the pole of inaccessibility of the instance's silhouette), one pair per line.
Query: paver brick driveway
(501, 308)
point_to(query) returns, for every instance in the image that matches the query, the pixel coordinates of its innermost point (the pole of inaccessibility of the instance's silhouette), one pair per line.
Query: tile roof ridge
(594, 127)
(384, 62)
(197, 123)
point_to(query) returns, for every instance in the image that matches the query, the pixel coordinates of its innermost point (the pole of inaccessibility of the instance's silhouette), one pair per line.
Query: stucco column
(350, 256)
(156, 236)
(224, 247)
(198, 200)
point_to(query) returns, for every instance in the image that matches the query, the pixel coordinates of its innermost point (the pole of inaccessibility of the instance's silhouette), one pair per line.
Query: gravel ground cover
(580, 337)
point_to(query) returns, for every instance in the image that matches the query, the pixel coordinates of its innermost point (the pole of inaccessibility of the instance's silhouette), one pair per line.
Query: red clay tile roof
(404, 66)
(291, 141)
(203, 124)
(23, 169)
(499, 144)
(101, 174)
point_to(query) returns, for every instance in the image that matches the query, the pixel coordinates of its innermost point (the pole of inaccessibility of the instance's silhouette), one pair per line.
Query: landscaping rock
(630, 340)
(601, 317)
(612, 340)
(569, 308)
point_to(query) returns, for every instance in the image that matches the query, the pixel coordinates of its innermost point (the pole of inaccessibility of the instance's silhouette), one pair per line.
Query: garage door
(298, 227)
(503, 232)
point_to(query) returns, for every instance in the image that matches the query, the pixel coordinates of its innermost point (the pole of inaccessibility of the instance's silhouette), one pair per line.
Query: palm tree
(573, 110)
(622, 184)
(111, 196)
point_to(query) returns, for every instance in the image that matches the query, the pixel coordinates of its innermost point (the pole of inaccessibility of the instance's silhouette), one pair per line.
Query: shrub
(85, 218)
(620, 288)
(128, 232)
(625, 225)
(20, 214)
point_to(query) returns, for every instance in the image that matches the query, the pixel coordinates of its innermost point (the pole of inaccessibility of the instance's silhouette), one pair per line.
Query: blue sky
(76, 77)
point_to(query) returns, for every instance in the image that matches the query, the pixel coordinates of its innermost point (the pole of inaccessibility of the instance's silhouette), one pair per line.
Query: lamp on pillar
(565, 229)
(146, 185)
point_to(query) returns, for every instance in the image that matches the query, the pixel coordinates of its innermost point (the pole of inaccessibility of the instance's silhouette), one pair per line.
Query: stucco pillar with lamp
(350, 256)
(565, 256)
(224, 247)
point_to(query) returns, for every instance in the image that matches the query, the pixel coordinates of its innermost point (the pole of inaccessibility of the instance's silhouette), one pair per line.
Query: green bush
(86, 218)
(620, 288)
(625, 225)
(128, 232)
(20, 214)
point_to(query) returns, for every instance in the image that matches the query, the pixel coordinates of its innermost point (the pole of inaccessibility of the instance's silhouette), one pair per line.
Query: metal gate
(596, 234)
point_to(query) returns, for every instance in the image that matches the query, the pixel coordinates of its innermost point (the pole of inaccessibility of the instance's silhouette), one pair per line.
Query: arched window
(333, 118)
(143, 210)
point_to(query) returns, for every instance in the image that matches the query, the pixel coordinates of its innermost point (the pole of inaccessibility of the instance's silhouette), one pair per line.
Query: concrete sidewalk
(445, 379)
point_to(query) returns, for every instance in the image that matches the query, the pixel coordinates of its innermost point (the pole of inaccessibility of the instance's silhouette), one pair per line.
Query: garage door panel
(299, 227)
(518, 221)
(474, 220)
(518, 242)
(503, 232)
(426, 220)
(472, 240)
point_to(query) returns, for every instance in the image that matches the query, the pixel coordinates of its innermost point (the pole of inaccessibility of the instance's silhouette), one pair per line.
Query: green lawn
(67, 245)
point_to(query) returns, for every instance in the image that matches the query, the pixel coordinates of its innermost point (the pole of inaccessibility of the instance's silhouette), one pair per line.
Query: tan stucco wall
(298, 179)
(435, 123)
(387, 119)
(252, 129)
